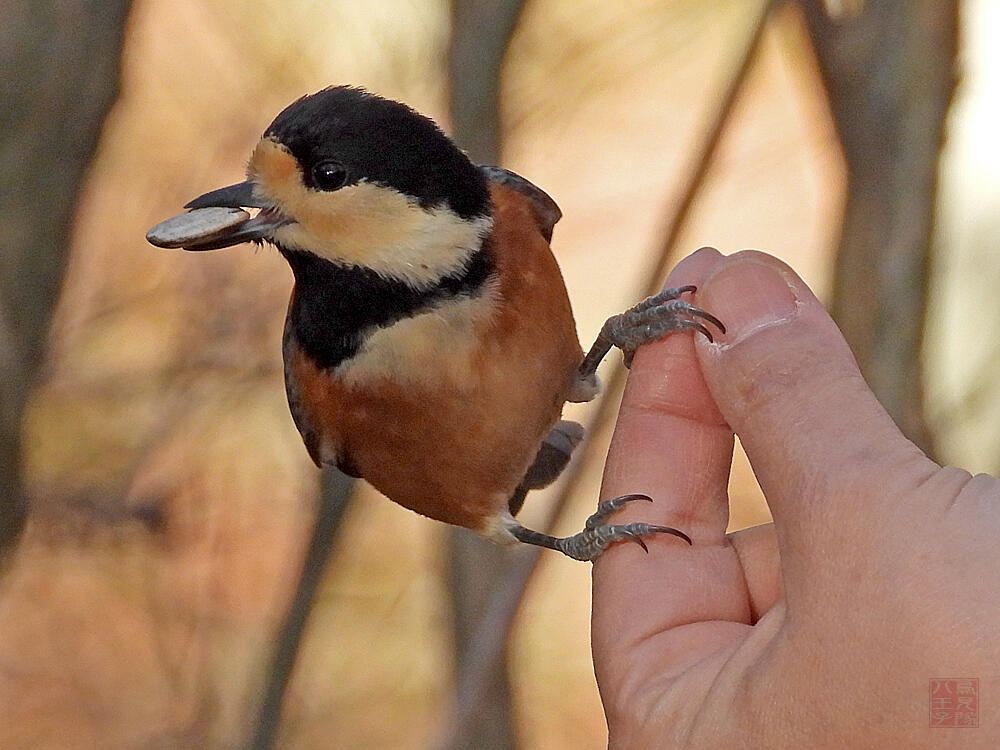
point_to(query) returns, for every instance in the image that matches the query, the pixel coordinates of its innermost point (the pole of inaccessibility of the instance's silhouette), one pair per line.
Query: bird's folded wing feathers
(546, 211)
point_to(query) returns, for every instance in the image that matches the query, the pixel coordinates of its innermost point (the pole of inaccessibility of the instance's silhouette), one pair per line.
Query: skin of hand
(880, 572)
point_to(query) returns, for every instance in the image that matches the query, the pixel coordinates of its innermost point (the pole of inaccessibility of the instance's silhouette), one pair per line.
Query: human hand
(880, 572)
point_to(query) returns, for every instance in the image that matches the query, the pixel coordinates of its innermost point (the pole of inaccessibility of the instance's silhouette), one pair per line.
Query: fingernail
(747, 295)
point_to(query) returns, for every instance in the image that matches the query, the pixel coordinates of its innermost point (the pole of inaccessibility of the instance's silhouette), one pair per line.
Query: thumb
(825, 452)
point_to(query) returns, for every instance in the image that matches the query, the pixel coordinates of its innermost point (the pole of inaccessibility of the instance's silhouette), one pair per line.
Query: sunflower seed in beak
(196, 227)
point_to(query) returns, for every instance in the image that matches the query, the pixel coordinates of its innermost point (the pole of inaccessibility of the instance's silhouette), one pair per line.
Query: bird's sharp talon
(674, 532)
(697, 311)
(704, 331)
(634, 496)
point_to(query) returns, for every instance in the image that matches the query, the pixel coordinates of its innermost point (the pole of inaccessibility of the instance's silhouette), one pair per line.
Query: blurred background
(157, 500)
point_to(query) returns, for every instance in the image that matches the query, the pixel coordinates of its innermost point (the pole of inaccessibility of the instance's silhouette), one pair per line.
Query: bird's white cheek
(378, 228)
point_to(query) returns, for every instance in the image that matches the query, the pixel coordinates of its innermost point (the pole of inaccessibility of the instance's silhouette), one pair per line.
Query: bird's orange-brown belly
(455, 455)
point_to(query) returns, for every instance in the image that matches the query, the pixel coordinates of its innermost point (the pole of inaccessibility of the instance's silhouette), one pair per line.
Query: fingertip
(707, 251)
(661, 356)
(750, 290)
(664, 375)
(691, 270)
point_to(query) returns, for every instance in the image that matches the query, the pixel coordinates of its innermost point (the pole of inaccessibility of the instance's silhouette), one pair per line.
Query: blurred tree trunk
(60, 62)
(336, 492)
(889, 70)
(481, 32)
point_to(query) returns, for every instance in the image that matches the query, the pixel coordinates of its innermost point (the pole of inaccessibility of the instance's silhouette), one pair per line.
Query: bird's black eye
(328, 175)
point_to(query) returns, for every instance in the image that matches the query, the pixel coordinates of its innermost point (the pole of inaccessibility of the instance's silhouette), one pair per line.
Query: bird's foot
(597, 536)
(654, 318)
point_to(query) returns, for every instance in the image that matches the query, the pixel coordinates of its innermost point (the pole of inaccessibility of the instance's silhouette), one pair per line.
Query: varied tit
(429, 345)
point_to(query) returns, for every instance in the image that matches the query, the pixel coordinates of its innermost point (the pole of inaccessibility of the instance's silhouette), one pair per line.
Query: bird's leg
(552, 457)
(596, 535)
(649, 321)
(553, 454)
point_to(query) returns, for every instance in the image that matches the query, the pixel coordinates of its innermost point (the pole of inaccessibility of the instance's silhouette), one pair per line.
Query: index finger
(671, 443)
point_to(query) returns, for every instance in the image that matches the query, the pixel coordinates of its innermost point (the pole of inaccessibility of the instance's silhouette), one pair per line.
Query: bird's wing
(546, 211)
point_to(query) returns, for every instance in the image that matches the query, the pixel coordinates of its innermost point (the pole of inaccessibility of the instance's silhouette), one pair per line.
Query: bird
(429, 345)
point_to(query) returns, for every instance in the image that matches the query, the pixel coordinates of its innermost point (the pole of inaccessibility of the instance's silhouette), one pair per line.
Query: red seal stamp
(954, 702)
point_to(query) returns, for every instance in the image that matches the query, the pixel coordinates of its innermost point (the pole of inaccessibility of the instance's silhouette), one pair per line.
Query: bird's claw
(654, 318)
(596, 536)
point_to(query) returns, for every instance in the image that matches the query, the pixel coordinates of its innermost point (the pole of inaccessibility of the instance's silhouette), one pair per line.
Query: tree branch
(336, 490)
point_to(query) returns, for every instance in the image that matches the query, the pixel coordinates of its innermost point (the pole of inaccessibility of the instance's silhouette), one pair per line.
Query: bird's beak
(217, 219)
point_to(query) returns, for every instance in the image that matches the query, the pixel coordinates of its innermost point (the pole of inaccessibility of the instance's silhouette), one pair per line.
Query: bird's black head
(347, 135)
(356, 180)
